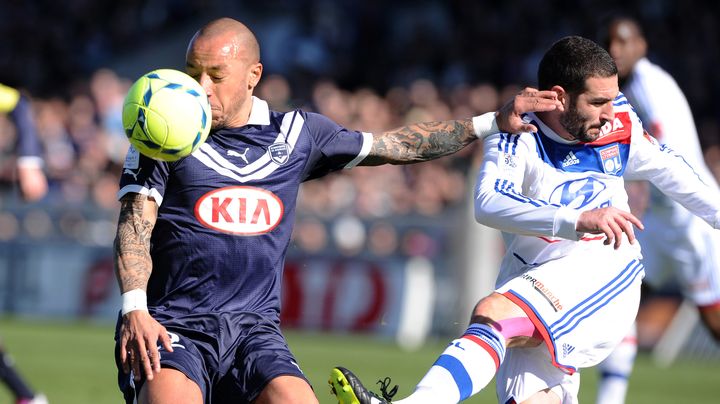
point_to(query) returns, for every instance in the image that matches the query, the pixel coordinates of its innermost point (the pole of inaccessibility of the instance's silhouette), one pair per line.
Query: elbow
(482, 213)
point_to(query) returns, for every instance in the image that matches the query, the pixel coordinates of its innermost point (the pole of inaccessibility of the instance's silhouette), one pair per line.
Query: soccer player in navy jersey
(33, 186)
(201, 242)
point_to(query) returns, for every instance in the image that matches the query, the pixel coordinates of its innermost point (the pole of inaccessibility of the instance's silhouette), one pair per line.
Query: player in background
(33, 186)
(558, 196)
(201, 242)
(675, 243)
(30, 175)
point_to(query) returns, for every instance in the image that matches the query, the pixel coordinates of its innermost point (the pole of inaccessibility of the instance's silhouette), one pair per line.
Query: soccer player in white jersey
(569, 285)
(689, 251)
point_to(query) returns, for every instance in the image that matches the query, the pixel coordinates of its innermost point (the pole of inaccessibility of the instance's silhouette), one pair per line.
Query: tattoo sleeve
(133, 264)
(420, 142)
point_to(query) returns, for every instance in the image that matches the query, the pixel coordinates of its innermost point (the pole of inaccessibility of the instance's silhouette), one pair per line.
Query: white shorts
(688, 254)
(583, 304)
(525, 371)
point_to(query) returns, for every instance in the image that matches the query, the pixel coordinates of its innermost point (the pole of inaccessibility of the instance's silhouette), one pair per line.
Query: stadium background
(385, 254)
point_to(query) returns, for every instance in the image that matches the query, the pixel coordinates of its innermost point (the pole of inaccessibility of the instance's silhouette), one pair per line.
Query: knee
(287, 390)
(711, 319)
(493, 308)
(546, 396)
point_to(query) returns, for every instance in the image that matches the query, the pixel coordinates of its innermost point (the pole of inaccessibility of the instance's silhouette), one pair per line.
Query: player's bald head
(236, 35)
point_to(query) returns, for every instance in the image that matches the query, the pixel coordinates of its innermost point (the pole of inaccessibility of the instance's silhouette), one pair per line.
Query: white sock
(615, 371)
(466, 366)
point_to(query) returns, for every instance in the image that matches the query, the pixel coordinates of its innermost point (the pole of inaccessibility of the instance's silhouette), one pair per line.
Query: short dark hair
(572, 60)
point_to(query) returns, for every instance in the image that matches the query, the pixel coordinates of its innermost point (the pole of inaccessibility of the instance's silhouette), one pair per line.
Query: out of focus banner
(392, 296)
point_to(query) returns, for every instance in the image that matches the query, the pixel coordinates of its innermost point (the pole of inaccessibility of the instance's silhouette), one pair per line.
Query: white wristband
(485, 125)
(135, 299)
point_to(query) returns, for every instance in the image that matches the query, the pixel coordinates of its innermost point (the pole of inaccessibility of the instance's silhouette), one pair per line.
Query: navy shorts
(231, 356)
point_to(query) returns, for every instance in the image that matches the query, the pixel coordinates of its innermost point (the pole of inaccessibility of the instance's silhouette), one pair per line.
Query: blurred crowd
(85, 146)
(367, 65)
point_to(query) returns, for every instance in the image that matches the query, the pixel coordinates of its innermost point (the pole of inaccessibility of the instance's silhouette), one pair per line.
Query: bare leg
(287, 390)
(170, 386)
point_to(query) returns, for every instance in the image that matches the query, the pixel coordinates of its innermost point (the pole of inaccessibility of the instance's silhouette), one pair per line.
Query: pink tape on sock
(517, 327)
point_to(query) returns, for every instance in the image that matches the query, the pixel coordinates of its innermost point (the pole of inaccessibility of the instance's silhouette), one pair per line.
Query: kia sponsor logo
(240, 210)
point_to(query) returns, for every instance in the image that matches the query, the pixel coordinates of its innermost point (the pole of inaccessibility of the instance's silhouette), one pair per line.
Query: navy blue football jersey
(226, 212)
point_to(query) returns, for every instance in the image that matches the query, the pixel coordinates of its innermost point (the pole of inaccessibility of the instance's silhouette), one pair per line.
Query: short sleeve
(143, 175)
(337, 147)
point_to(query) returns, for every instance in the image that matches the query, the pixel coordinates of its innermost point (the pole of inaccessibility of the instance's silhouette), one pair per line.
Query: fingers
(528, 128)
(610, 235)
(136, 360)
(634, 220)
(628, 229)
(530, 91)
(124, 356)
(166, 342)
(154, 359)
(146, 359)
(155, 353)
(532, 100)
(611, 222)
(139, 345)
(617, 232)
(622, 222)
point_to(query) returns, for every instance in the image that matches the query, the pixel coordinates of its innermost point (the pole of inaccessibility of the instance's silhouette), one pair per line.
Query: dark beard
(574, 123)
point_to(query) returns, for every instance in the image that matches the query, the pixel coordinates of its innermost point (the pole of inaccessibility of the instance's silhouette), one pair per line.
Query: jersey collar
(545, 130)
(259, 113)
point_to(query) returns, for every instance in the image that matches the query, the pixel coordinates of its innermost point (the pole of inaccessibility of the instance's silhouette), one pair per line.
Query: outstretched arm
(31, 178)
(139, 333)
(430, 140)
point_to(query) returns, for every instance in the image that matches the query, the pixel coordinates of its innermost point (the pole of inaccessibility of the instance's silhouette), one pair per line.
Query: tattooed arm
(139, 332)
(430, 140)
(420, 142)
(132, 241)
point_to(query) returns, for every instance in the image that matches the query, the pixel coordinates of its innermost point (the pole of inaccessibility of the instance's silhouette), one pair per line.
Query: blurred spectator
(367, 65)
(25, 150)
(33, 186)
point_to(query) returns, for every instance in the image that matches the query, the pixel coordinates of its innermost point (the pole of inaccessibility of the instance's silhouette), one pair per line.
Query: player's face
(221, 64)
(588, 111)
(625, 46)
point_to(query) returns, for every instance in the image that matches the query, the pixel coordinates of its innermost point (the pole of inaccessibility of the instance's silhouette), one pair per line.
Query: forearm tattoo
(420, 142)
(133, 264)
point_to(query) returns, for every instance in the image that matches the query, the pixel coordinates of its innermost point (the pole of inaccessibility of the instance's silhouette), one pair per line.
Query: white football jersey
(688, 254)
(534, 186)
(666, 115)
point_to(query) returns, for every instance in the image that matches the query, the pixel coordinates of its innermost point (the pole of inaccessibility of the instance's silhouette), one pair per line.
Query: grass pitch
(72, 363)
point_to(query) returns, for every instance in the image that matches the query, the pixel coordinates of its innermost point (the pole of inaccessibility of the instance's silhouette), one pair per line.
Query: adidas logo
(567, 349)
(570, 160)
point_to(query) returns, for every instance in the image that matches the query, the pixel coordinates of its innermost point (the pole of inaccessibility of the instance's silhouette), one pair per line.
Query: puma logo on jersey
(570, 160)
(242, 156)
(132, 172)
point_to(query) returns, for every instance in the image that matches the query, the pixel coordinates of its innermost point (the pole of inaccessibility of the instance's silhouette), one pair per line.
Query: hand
(139, 335)
(609, 221)
(509, 117)
(33, 184)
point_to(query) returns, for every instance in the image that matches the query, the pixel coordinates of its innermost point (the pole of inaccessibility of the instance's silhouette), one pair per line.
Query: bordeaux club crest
(279, 152)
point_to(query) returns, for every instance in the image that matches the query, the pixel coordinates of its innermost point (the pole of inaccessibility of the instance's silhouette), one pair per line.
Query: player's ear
(562, 95)
(254, 75)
